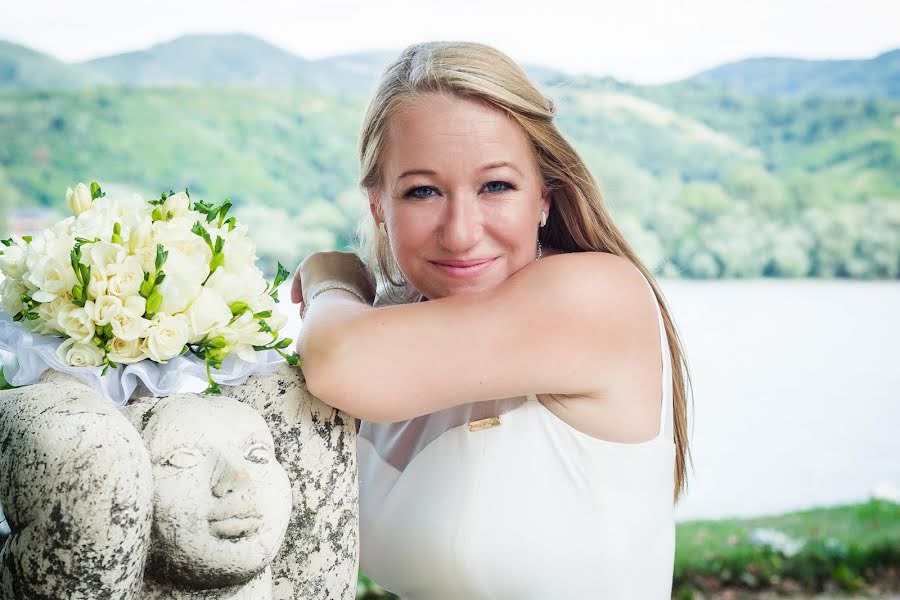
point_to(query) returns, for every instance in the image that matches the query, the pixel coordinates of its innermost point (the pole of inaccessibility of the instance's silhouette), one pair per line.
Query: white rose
(141, 237)
(98, 283)
(11, 293)
(105, 308)
(177, 235)
(184, 276)
(79, 199)
(48, 311)
(77, 322)
(96, 222)
(240, 251)
(12, 261)
(245, 331)
(178, 204)
(128, 322)
(207, 312)
(102, 255)
(52, 278)
(262, 302)
(125, 351)
(166, 337)
(125, 278)
(77, 354)
(237, 285)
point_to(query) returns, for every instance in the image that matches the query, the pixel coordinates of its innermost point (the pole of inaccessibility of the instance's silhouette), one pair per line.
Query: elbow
(327, 379)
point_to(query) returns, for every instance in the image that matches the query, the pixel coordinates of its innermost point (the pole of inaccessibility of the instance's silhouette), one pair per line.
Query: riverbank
(836, 552)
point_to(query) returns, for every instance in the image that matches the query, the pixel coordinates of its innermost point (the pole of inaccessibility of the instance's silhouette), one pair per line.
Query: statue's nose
(231, 477)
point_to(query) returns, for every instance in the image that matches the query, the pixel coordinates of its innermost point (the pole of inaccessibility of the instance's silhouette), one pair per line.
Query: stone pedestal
(249, 494)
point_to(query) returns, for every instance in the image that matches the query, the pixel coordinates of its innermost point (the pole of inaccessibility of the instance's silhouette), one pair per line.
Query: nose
(462, 224)
(229, 476)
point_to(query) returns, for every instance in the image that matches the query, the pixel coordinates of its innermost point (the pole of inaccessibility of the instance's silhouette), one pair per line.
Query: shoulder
(591, 280)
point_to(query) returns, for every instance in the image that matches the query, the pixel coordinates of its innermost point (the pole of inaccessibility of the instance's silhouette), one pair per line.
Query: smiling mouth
(235, 527)
(465, 269)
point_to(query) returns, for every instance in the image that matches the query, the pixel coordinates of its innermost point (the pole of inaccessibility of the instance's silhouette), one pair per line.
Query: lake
(796, 392)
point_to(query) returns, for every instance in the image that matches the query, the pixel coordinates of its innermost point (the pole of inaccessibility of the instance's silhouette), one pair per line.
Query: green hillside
(704, 181)
(22, 68)
(879, 76)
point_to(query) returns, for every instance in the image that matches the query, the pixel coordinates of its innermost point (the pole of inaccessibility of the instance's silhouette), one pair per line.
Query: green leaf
(237, 307)
(218, 342)
(200, 230)
(153, 302)
(281, 276)
(161, 255)
(217, 260)
(96, 192)
(263, 314)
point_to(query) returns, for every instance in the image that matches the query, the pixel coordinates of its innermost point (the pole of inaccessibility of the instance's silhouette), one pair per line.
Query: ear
(546, 201)
(375, 205)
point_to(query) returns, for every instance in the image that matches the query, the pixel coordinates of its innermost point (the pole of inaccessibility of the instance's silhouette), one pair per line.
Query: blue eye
(414, 192)
(416, 189)
(508, 186)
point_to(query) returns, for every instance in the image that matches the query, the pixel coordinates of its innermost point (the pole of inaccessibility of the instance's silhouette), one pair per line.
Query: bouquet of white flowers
(124, 279)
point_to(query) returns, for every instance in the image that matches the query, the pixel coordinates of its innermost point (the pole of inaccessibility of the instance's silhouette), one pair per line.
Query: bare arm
(564, 325)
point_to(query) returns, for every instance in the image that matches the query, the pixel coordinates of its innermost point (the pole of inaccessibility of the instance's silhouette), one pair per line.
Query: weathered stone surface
(75, 484)
(228, 520)
(316, 444)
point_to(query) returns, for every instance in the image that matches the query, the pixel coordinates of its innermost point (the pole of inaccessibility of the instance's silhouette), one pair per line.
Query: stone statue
(251, 494)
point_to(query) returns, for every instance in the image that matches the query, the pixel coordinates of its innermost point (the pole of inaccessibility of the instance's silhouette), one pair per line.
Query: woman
(522, 430)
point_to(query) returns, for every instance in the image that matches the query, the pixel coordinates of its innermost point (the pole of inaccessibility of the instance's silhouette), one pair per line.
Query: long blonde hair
(578, 219)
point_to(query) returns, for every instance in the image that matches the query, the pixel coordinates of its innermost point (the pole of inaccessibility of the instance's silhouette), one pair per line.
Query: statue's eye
(182, 458)
(258, 453)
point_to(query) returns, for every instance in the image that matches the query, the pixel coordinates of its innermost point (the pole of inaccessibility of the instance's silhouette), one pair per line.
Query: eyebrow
(486, 167)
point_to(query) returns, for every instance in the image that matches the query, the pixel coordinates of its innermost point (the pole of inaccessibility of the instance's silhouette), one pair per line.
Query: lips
(462, 263)
(463, 269)
(236, 526)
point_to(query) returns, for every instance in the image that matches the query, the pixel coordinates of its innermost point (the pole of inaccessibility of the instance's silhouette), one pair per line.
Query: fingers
(296, 288)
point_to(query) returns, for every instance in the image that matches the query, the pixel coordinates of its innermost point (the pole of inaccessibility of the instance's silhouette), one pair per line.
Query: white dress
(530, 508)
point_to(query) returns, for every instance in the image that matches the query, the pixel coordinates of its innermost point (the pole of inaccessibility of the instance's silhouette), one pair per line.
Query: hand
(323, 268)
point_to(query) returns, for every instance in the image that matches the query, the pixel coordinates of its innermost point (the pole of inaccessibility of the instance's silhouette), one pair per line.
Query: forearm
(317, 342)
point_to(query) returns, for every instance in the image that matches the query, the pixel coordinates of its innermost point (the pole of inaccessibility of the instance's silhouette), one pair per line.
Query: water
(796, 392)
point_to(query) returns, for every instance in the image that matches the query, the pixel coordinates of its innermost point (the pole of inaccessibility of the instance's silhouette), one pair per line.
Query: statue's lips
(235, 527)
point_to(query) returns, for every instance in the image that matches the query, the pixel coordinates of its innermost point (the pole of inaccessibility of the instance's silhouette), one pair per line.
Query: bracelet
(332, 286)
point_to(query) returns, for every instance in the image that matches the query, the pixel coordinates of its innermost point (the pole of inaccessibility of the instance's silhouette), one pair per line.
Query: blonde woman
(521, 426)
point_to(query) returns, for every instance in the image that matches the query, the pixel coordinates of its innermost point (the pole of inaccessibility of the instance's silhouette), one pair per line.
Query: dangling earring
(543, 222)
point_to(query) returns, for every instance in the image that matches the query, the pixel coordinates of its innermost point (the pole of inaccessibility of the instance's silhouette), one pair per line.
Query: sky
(642, 41)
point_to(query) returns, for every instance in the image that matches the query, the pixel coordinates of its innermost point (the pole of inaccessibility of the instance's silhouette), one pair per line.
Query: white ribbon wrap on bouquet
(36, 353)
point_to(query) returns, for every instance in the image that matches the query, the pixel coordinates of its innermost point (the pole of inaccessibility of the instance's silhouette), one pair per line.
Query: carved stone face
(221, 500)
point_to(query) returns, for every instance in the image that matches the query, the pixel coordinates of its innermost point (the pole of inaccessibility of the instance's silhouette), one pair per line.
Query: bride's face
(447, 198)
